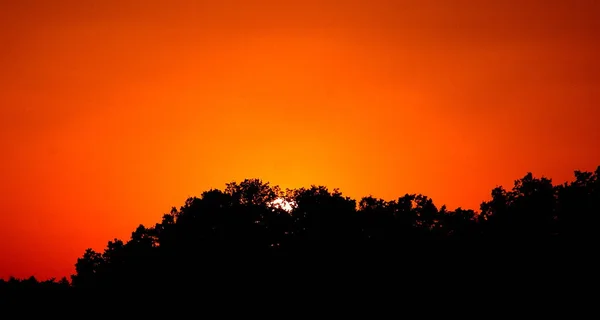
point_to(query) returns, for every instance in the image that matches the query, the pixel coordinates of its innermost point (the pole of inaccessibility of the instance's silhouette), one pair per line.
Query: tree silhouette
(244, 234)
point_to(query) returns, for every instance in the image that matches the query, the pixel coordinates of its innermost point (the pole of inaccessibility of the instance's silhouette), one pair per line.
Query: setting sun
(283, 204)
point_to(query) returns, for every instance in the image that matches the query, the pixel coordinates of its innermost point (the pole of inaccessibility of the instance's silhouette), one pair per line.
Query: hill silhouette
(253, 234)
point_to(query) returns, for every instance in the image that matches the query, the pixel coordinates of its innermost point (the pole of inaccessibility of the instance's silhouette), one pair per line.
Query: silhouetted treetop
(252, 230)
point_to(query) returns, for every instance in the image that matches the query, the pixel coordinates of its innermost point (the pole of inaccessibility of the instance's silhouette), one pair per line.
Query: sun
(286, 205)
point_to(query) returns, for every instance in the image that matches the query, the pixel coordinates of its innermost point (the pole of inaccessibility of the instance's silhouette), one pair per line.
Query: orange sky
(113, 111)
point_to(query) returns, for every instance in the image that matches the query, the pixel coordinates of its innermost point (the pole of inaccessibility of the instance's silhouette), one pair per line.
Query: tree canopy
(253, 230)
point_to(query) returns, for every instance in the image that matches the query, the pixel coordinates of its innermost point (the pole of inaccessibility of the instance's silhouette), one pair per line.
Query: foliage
(239, 233)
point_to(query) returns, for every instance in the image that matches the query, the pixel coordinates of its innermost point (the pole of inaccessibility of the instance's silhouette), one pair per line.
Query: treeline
(252, 230)
(33, 283)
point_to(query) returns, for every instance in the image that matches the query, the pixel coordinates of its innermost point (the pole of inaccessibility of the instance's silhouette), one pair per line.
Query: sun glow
(281, 203)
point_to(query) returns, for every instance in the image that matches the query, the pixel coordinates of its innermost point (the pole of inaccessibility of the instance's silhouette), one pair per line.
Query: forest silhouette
(258, 234)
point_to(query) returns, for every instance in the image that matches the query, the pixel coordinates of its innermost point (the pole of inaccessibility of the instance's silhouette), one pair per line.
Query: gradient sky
(111, 111)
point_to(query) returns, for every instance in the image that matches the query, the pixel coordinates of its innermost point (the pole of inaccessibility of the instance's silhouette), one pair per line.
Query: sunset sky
(112, 112)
